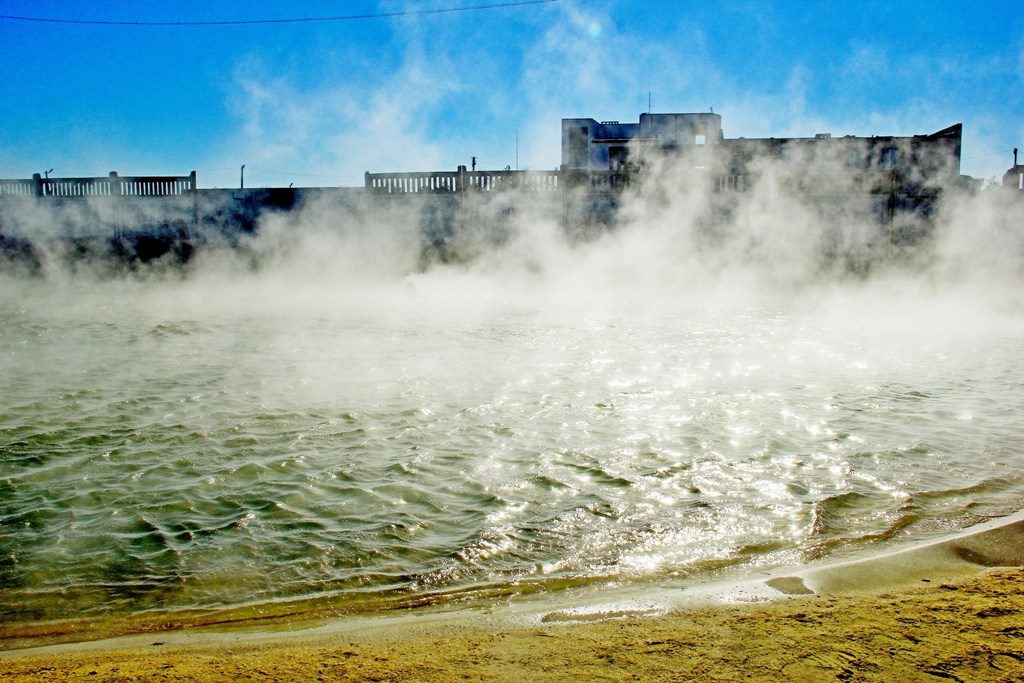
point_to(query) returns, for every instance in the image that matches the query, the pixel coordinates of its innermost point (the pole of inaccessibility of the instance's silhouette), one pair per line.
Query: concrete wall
(602, 144)
(681, 130)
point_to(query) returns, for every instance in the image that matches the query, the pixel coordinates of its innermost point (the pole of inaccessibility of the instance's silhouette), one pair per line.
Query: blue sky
(318, 104)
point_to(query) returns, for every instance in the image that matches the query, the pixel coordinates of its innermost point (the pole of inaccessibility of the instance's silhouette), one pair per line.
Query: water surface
(175, 444)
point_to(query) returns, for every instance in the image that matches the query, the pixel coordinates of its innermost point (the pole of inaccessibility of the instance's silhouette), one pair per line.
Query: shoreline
(966, 629)
(973, 572)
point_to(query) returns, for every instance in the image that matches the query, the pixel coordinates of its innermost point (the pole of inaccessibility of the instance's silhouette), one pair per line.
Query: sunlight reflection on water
(158, 460)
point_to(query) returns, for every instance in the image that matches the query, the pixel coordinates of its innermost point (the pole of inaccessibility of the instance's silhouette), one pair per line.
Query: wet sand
(939, 610)
(969, 629)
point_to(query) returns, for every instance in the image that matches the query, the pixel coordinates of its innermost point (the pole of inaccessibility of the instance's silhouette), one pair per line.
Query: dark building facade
(847, 163)
(589, 145)
(1013, 179)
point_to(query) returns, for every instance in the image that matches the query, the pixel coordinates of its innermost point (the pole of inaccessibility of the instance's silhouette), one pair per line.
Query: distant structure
(609, 146)
(893, 182)
(1013, 179)
(606, 146)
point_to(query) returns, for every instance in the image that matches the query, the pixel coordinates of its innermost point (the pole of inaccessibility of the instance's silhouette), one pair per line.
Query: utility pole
(242, 181)
(517, 149)
(47, 173)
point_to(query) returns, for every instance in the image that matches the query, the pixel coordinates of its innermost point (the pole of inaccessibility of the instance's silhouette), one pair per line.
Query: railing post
(460, 186)
(366, 179)
(195, 202)
(564, 187)
(38, 178)
(115, 191)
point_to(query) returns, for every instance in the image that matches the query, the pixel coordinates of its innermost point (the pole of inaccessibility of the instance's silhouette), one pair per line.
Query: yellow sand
(967, 629)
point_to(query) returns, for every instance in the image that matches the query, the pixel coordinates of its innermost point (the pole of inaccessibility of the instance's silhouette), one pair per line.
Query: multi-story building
(588, 145)
(849, 163)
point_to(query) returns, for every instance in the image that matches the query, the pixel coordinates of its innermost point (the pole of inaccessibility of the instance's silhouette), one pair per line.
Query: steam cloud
(667, 248)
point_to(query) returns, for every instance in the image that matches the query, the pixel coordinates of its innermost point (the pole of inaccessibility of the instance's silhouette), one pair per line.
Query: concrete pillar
(193, 181)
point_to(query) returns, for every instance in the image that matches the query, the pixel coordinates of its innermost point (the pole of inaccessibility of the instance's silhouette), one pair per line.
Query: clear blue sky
(331, 100)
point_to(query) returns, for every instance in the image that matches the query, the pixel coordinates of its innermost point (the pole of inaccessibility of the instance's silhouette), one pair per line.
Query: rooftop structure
(1013, 179)
(588, 145)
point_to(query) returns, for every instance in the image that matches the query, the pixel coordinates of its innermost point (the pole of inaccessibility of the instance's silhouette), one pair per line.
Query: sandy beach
(951, 608)
(971, 629)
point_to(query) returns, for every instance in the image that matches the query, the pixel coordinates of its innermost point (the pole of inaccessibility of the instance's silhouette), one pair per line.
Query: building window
(853, 157)
(890, 159)
(618, 158)
(579, 147)
(699, 139)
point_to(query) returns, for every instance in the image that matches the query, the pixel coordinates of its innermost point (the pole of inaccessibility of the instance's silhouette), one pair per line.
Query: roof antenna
(1014, 156)
(648, 101)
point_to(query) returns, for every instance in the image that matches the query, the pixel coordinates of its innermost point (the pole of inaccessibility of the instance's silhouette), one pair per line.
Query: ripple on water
(160, 465)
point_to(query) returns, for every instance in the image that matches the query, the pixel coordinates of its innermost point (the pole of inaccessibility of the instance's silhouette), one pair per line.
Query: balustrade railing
(462, 180)
(112, 185)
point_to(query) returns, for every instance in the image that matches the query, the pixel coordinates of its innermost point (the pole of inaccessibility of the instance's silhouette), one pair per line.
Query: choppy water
(167, 445)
